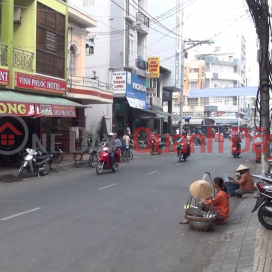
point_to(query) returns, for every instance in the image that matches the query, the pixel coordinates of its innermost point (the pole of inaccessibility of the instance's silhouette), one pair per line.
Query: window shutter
(88, 3)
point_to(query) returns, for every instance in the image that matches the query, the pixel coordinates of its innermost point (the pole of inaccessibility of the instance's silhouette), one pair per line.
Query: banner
(16, 109)
(119, 80)
(54, 111)
(154, 67)
(25, 81)
(4, 77)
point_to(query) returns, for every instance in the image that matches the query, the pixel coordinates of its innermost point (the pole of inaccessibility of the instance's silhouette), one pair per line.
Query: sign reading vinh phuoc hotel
(39, 83)
(154, 67)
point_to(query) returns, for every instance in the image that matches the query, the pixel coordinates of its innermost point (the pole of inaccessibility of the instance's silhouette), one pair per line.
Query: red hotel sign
(55, 111)
(4, 77)
(25, 81)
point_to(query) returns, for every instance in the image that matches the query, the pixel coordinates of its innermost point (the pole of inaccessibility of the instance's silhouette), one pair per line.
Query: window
(192, 101)
(89, 50)
(193, 86)
(218, 100)
(132, 47)
(226, 100)
(234, 100)
(88, 3)
(72, 61)
(50, 42)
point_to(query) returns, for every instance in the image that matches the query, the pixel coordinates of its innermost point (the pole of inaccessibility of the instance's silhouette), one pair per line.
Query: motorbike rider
(112, 147)
(118, 146)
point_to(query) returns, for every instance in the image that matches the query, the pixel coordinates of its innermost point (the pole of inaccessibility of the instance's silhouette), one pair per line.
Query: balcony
(193, 77)
(142, 23)
(23, 59)
(89, 90)
(3, 54)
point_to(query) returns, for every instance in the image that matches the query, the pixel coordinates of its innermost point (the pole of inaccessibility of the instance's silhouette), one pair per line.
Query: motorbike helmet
(115, 135)
(110, 134)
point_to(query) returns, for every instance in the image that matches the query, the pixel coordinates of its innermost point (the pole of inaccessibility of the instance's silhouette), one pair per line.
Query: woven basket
(200, 223)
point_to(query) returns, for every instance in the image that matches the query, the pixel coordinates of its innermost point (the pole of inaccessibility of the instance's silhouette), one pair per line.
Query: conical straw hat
(242, 167)
(201, 189)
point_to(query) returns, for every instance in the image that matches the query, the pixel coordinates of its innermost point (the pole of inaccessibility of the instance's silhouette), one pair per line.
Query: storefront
(43, 115)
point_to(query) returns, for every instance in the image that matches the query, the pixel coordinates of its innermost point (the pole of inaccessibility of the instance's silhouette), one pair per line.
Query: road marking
(107, 186)
(18, 214)
(152, 172)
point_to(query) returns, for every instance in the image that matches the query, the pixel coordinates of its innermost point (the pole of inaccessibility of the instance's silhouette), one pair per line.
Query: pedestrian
(245, 183)
(126, 141)
(128, 130)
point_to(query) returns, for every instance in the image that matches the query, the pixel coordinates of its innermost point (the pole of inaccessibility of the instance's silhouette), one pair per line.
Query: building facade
(120, 53)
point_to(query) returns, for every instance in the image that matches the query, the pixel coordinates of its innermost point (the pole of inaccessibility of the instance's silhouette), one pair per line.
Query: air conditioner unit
(136, 25)
(17, 16)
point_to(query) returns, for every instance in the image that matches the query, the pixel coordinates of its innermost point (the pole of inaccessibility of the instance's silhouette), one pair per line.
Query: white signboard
(119, 81)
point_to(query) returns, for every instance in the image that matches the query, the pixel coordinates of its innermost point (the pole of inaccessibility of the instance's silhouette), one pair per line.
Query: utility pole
(260, 12)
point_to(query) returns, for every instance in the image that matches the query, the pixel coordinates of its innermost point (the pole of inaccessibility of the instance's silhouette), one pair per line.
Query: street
(126, 221)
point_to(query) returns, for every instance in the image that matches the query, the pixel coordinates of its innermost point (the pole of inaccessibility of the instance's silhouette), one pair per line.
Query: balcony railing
(23, 59)
(3, 54)
(87, 81)
(142, 19)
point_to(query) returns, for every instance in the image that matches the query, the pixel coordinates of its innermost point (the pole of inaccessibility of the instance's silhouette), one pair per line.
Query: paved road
(117, 222)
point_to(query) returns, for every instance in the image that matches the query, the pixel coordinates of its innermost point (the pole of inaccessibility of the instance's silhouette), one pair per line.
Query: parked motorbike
(183, 156)
(235, 150)
(35, 163)
(104, 162)
(264, 201)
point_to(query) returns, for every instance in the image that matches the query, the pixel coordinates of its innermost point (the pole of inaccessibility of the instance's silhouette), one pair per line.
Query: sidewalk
(247, 246)
(67, 163)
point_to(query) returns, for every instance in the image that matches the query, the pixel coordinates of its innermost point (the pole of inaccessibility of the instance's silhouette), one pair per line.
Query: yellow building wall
(24, 35)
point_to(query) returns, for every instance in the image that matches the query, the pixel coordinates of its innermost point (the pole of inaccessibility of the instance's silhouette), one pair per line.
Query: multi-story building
(82, 87)
(120, 47)
(34, 59)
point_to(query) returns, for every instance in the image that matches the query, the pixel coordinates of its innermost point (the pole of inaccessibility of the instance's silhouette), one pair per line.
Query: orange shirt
(246, 182)
(221, 203)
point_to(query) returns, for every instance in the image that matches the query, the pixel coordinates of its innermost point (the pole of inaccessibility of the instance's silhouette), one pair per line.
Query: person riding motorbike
(112, 147)
(239, 140)
(118, 146)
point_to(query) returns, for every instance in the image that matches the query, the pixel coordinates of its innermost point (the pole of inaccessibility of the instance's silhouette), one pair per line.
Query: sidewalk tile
(244, 269)
(229, 266)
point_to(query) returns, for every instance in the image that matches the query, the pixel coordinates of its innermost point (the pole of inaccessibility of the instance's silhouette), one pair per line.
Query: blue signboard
(136, 91)
(136, 86)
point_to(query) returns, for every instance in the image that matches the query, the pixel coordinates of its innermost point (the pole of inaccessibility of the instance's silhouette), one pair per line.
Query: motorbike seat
(42, 157)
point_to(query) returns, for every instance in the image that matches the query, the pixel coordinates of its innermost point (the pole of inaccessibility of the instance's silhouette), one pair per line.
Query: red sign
(55, 111)
(4, 77)
(19, 109)
(39, 83)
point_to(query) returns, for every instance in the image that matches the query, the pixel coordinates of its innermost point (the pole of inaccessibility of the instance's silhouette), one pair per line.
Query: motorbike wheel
(270, 169)
(46, 170)
(180, 158)
(115, 167)
(78, 160)
(185, 158)
(58, 157)
(99, 168)
(21, 171)
(93, 161)
(265, 220)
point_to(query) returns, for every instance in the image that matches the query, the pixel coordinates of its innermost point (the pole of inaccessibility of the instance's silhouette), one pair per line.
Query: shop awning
(25, 104)
(151, 114)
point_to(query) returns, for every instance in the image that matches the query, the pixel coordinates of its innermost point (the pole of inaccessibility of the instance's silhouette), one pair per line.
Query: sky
(204, 19)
